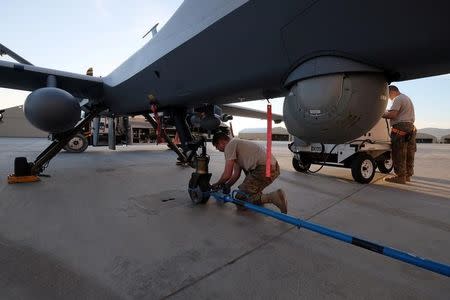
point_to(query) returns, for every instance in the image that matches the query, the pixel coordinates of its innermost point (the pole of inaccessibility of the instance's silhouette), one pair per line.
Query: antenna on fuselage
(153, 30)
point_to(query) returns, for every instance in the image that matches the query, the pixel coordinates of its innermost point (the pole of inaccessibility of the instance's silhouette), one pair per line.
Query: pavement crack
(340, 200)
(228, 263)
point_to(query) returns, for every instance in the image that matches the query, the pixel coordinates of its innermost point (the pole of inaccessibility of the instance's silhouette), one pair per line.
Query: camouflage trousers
(404, 149)
(255, 182)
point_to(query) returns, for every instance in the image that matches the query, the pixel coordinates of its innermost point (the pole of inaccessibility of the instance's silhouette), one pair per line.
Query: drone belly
(412, 45)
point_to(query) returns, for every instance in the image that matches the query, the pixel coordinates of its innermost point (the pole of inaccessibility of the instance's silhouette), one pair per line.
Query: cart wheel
(385, 164)
(300, 166)
(199, 192)
(363, 168)
(77, 144)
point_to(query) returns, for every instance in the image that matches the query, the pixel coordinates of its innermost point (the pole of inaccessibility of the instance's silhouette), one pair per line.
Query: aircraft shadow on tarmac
(26, 273)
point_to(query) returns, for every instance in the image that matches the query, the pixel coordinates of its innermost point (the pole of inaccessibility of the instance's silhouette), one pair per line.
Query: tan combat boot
(277, 198)
(396, 179)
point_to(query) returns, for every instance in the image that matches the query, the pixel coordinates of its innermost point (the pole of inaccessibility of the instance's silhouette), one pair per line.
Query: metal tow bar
(387, 251)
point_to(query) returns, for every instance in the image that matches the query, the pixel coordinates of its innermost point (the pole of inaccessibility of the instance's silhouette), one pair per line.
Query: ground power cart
(363, 155)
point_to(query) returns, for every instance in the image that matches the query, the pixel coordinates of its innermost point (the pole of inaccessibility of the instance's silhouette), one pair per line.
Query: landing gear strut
(199, 187)
(170, 143)
(25, 171)
(189, 146)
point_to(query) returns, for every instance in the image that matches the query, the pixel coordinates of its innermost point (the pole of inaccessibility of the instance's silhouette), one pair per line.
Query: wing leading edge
(29, 78)
(240, 111)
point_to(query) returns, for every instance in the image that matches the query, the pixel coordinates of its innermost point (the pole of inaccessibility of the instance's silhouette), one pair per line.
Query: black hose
(326, 158)
(290, 148)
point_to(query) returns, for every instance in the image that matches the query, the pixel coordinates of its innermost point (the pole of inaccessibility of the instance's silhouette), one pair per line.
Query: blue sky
(74, 35)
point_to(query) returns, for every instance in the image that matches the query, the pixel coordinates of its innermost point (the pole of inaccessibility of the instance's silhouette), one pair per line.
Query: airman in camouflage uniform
(403, 135)
(250, 157)
(255, 182)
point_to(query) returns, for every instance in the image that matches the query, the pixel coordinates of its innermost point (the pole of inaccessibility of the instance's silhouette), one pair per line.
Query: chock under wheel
(22, 179)
(22, 172)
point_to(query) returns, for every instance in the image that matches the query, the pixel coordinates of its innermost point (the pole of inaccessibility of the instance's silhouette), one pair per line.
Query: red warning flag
(269, 140)
(159, 138)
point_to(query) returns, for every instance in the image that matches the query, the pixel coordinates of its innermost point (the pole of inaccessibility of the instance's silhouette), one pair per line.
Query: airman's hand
(216, 186)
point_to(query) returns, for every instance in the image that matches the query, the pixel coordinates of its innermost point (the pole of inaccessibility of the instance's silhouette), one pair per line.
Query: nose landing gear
(199, 187)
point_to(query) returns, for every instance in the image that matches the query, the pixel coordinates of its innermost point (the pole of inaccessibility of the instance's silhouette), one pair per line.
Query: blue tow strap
(387, 251)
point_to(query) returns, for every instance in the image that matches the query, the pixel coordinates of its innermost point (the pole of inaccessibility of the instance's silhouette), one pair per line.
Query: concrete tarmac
(120, 225)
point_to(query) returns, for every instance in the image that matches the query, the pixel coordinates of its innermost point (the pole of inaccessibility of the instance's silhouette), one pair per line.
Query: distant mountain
(437, 132)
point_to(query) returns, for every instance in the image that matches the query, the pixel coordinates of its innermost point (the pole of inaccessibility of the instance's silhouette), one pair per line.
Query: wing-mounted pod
(52, 109)
(333, 99)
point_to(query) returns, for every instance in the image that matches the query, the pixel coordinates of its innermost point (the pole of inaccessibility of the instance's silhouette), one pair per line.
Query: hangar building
(425, 138)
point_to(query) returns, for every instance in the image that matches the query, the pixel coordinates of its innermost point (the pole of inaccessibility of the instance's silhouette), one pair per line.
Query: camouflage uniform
(403, 149)
(255, 182)
(252, 158)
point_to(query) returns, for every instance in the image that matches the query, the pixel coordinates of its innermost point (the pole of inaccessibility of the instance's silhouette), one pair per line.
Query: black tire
(385, 164)
(21, 167)
(198, 191)
(77, 144)
(363, 168)
(300, 165)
